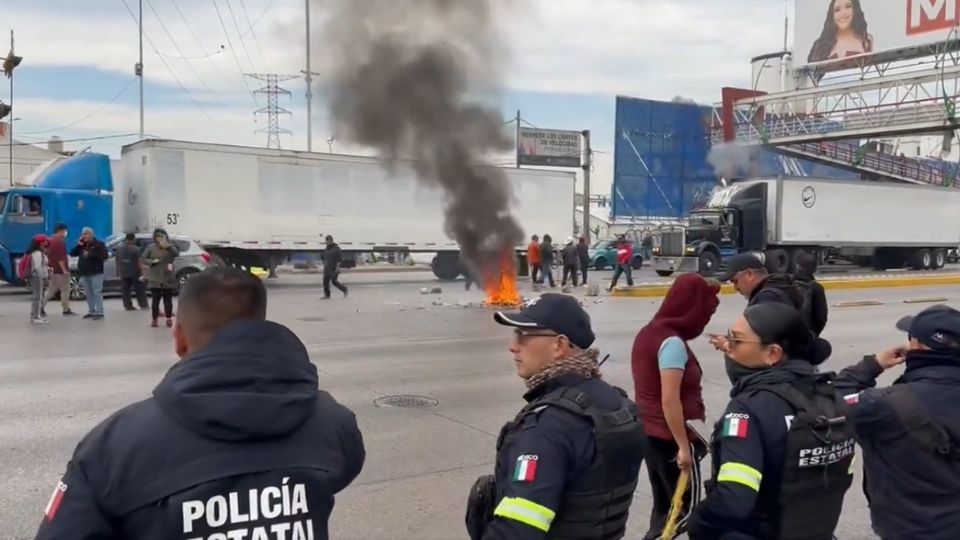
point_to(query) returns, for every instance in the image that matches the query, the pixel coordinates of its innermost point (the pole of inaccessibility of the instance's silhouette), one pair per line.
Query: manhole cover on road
(312, 319)
(406, 402)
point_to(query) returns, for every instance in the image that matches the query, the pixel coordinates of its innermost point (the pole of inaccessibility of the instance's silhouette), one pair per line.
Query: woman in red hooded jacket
(666, 378)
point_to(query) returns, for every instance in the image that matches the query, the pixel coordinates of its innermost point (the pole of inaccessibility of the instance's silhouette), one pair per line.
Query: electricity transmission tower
(273, 111)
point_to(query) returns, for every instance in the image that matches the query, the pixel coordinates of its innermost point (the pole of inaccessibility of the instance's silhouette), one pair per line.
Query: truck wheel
(446, 267)
(637, 262)
(664, 273)
(600, 264)
(798, 254)
(709, 261)
(778, 262)
(939, 258)
(922, 259)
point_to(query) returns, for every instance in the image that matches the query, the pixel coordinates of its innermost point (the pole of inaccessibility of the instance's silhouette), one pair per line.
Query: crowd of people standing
(242, 406)
(45, 267)
(574, 261)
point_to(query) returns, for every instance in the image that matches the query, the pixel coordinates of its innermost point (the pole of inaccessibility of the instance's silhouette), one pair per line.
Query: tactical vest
(923, 428)
(597, 502)
(818, 463)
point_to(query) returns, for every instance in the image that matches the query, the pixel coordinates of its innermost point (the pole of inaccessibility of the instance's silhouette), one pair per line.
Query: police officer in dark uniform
(782, 452)
(567, 465)
(236, 441)
(910, 431)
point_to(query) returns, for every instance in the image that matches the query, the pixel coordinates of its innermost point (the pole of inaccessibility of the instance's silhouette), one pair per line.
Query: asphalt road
(56, 382)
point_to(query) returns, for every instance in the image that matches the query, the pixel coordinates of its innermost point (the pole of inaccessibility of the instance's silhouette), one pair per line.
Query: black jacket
(91, 256)
(546, 253)
(571, 256)
(583, 250)
(562, 444)
(238, 429)
(332, 258)
(783, 289)
(128, 260)
(817, 298)
(912, 493)
(753, 449)
(779, 288)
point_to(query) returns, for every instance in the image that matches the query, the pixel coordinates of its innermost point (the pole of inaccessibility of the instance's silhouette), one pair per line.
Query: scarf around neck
(583, 363)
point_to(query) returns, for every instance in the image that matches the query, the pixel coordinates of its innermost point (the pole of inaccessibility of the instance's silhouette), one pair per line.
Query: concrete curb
(655, 291)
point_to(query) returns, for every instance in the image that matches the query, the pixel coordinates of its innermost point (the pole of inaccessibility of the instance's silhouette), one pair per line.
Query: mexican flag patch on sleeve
(526, 469)
(736, 425)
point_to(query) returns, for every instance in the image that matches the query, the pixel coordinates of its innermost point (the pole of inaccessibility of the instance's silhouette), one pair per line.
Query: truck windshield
(3, 202)
(706, 219)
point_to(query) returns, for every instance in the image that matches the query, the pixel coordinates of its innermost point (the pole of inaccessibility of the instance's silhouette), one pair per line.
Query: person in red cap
(666, 379)
(37, 276)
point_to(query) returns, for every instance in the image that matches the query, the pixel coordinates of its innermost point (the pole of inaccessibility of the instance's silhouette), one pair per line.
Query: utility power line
(251, 31)
(180, 52)
(196, 39)
(164, 62)
(236, 26)
(233, 51)
(87, 117)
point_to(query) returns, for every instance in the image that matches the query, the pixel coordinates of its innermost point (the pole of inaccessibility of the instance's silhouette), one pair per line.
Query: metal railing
(749, 129)
(879, 162)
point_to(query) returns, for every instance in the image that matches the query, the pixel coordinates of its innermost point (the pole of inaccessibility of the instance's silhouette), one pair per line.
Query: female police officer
(782, 452)
(567, 465)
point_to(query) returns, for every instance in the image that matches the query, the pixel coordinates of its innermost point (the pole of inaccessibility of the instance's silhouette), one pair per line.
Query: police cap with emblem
(937, 327)
(557, 312)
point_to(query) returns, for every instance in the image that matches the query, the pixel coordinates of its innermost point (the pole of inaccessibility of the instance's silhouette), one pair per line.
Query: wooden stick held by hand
(676, 506)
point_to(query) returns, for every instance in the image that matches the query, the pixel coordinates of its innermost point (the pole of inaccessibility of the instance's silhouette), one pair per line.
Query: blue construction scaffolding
(661, 167)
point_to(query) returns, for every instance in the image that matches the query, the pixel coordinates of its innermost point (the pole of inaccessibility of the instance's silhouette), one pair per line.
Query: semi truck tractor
(256, 207)
(876, 224)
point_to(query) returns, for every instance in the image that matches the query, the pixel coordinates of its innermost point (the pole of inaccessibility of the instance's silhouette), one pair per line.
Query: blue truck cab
(76, 191)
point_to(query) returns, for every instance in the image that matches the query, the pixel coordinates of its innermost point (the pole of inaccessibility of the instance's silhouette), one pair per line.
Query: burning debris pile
(501, 285)
(403, 78)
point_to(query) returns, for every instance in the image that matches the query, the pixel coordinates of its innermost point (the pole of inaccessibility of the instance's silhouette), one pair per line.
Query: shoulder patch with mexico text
(526, 469)
(736, 425)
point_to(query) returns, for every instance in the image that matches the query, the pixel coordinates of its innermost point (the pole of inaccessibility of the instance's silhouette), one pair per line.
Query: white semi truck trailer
(882, 225)
(256, 207)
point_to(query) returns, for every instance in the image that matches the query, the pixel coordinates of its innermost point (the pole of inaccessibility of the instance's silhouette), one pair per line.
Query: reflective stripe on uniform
(740, 474)
(526, 512)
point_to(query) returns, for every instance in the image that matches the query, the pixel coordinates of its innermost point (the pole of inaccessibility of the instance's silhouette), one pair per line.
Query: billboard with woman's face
(830, 31)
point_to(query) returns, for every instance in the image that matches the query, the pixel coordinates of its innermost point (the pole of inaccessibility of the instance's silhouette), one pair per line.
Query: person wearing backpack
(814, 296)
(34, 268)
(782, 452)
(750, 277)
(910, 431)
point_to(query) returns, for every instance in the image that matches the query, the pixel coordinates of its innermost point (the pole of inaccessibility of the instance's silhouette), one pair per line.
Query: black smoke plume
(405, 78)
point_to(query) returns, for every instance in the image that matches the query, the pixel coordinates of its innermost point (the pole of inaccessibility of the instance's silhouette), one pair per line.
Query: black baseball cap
(937, 327)
(739, 263)
(557, 312)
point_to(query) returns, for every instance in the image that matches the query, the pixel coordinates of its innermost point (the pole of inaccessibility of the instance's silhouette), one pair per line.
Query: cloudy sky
(568, 60)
